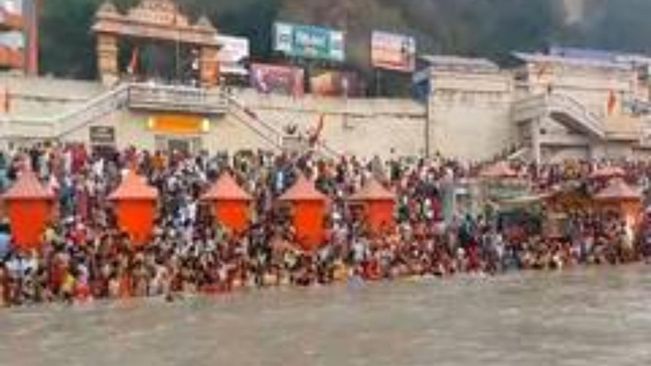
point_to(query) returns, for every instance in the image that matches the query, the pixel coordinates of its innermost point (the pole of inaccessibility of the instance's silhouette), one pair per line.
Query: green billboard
(306, 41)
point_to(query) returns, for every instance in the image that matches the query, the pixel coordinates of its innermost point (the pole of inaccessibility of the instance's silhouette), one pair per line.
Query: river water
(584, 317)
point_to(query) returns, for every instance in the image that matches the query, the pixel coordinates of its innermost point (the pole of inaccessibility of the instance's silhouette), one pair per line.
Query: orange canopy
(303, 190)
(309, 210)
(27, 187)
(135, 207)
(618, 190)
(373, 191)
(498, 170)
(231, 204)
(134, 187)
(226, 189)
(29, 207)
(379, 205)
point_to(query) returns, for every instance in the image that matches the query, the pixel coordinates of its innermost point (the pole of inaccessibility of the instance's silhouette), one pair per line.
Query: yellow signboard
(178, 124)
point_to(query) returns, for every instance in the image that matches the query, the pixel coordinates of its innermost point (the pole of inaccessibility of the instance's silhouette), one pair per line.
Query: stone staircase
(148, 97)
(563, 109)
(273, 135)
(127, 95)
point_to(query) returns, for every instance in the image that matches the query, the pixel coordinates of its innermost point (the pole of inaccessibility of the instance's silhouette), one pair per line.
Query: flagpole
(178, 56)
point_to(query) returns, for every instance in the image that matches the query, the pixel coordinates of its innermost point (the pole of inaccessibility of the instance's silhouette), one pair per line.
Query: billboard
(306, 41)
(278, 79)
(12, 33)
(336, 83)
(233, 54)
(393, 51)
(12, 36)
(11, 14)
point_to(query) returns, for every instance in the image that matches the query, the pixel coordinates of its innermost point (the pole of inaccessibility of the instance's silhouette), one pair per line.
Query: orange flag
(612, 102)
(317, 132)
(5, 102)
(133, 64)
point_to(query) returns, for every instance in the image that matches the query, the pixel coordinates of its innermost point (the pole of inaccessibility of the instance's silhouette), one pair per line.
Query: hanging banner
(278, 79)
(306, 41)
(393, 52)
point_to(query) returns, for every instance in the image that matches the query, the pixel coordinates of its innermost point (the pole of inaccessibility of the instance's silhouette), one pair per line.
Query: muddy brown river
(583, 317)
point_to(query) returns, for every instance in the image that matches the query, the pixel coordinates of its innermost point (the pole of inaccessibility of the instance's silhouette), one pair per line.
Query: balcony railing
(176, 99)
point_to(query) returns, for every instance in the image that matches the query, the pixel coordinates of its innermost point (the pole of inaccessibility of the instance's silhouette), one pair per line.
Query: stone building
(565, 103)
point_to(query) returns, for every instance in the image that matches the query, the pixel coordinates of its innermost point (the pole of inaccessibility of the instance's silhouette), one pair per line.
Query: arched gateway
(154, 21)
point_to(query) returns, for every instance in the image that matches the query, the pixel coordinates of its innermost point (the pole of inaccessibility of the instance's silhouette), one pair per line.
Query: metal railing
(176, 98)
(267, 131)
(97, 107)
(577, 111)
(541, 105)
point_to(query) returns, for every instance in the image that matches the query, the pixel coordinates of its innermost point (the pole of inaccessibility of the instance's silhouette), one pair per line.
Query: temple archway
(155, 29)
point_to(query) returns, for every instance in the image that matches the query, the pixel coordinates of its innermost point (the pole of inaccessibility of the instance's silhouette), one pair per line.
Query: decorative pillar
(209, 67)
(535, 140)
(107, 58)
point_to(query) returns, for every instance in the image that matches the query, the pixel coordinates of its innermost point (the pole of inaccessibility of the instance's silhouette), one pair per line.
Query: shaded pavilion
(378, 206)
(231, 205)
(135, 207)
(308, 212)
(29, 208)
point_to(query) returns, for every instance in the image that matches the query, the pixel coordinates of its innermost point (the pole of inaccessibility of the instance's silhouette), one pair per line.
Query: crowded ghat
(80, 226)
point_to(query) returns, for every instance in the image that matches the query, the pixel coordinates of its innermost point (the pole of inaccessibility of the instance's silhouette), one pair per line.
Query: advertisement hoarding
(393, 52)
(336, 83)
(12, 33)
(277, 79)
(233, 54)
(12, 24)
(305, 41)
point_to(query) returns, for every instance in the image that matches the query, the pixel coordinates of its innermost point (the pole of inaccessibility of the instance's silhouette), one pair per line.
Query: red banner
(277, 79)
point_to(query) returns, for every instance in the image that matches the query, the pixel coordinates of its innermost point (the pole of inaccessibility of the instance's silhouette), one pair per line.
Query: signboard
(393, 51)
(12, 37)
(336, 83)
(11, 20)
(278, 79)
(233, 54)
(309, 42)
(102, 135)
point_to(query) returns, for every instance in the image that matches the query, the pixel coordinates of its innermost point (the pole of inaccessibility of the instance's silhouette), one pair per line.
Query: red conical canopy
(303, 190)
(618, 190)
(373, 191)
(226, 189)
(134, 187)
(27, 187)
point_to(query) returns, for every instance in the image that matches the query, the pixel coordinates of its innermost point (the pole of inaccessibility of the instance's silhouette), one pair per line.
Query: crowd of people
(84, 256)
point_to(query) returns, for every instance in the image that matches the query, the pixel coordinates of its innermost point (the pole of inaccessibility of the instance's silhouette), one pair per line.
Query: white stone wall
(357, 126)
(470, 113)
(43, 97)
